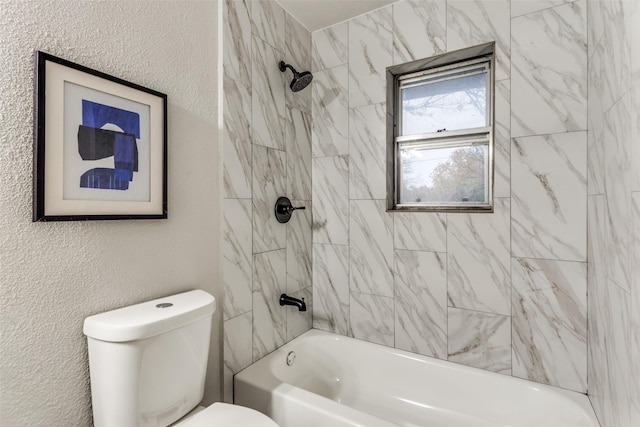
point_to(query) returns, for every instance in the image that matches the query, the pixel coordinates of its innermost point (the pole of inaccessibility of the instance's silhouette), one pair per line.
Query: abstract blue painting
(96, 143)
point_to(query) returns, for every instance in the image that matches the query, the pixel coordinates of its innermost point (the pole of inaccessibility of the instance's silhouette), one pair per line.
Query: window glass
(445, 102)
(443, 175)
(440, 132)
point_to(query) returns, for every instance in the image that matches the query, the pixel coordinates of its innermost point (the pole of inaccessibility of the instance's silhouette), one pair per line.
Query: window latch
(441, 130)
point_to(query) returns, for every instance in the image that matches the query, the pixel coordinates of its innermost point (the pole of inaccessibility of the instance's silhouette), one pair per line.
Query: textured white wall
(53, 275)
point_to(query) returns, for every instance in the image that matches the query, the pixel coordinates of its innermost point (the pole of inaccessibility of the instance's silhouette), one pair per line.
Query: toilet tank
(148, 361)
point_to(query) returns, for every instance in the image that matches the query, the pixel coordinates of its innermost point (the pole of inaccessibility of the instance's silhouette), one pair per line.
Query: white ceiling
(317, 14)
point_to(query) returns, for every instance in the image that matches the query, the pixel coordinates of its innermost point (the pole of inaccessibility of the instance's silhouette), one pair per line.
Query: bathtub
(336, 381)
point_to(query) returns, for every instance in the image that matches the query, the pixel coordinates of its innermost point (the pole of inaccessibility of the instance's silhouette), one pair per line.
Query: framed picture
(100, 145)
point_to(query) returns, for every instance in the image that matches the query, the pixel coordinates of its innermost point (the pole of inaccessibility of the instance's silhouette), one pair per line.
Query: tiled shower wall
(614, 211)
(267, 154)
(507, 291)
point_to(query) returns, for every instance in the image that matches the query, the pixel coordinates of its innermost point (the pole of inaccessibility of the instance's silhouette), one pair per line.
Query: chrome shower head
(300, 80)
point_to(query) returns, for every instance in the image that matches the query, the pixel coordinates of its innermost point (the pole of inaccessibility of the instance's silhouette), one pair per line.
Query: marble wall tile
(597, 377)
(478, 260)
(471, 23)
(419, 29)
(367, 152)
(550, 322)
(237, 137)
(299, 248)
(330, 103)
(297, 44)
(370, 52)
(330, 195)
(549, 69)
(329, 47)
(549, 196)
(618, 355)
(237, 36)
(298, 147)
(269, 318)
(617, 185)
(298, 54)
(299, 322)
(237, 349)
(421, 302)
(269, 183)
(595, 22)
(481, 340)
(371, 243)
(331, 288)
(371, 318)
(267, 19)
(617, 75)
(268, 115)
(595, 124)
(420, 231)
(237, 269)
(635, 308)
(502, 140)
(634, 42)
(523, 7)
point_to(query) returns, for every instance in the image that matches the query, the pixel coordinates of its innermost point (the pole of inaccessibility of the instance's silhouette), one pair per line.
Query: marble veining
(268, 23)
(331, 288)
(502, 140)
(371, 243)
(269, 318)
(482, 340)
(419, 29)
(370, 52)
(421, 302)
(550, 322)
(298, 54)
(299, 248)
(269, 183)
(330, 195)
(298, 146)
(471, 23)
(268, 100)
(237, 348)
(595, 135)
(617, 184)
(523, 7)
(367, 152)
(420, 231)
(299, 322)
(237, 34)
(479, 260)
(329, 47)
(549, 68)
(330, 127)
(549, 196)
(237, 133)
(371, 318)
(237, 269)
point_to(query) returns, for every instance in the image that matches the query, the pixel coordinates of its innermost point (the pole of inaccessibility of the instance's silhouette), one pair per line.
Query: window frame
(445, 64)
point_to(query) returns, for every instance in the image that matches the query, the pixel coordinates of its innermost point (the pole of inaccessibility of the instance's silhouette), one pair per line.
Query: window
(440, 132)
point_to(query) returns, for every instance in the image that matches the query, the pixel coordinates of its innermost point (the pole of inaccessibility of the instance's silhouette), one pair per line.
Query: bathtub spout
(287, 300)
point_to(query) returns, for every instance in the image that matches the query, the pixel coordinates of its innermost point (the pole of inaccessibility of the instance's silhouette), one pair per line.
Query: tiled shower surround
(507, 291)
(545, 288)
(267, 154)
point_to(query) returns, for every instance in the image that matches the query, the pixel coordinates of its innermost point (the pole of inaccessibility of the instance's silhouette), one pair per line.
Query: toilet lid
(224, 414)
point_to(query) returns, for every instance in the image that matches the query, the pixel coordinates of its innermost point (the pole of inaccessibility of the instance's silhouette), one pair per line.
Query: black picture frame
(100, 145)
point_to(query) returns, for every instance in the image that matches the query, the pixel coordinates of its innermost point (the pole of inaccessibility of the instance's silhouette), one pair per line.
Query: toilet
(148, 362)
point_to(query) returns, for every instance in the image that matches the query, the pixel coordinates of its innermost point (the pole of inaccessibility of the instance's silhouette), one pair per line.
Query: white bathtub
(336, 381)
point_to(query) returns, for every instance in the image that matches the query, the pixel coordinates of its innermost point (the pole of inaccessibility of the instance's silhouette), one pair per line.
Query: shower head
(300, 80)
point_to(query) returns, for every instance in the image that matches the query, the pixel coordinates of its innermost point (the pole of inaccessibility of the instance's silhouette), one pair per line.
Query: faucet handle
(284, 209)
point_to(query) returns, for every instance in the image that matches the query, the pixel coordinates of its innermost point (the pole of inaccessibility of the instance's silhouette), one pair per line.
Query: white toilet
(148, 364)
